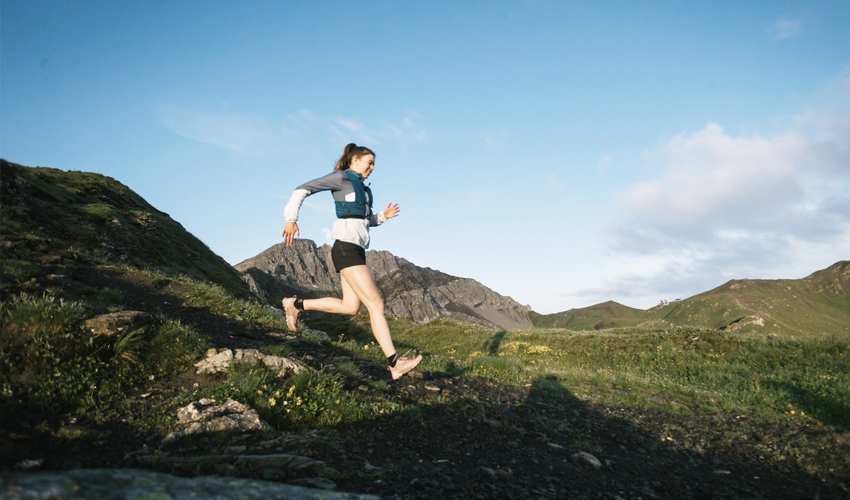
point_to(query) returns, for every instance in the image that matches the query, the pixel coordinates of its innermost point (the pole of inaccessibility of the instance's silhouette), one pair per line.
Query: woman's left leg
(359, 278)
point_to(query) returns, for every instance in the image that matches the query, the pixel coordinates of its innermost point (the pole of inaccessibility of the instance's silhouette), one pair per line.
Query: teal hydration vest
(357, 209)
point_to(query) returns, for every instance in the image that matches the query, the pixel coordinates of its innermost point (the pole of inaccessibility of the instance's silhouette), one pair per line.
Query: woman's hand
(391, 211)
(290, 232)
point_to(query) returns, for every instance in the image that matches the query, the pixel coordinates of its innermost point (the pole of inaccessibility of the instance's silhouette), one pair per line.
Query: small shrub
(127, 349)
(501, 369)
(550, 386)
(173, 345)
(302, 401)
(349, 370)
(26, 314)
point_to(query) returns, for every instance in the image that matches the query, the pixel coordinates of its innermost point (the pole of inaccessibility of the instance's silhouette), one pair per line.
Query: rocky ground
(472, 438)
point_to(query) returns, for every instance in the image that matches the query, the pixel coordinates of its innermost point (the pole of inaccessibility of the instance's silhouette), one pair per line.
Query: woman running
(353, 201)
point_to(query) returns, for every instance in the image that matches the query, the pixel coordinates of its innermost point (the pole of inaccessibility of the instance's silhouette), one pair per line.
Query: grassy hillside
(815, 306)
(600, 316)
(664, 407)
(47, 211)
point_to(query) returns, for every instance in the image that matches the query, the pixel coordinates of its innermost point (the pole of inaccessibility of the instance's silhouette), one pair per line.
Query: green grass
(307, 400)
(675, 369)
(48, 210)
(221, 301)
(50, 364)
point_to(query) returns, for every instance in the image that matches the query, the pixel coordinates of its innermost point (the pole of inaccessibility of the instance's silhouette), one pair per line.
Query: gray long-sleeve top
(337, 182)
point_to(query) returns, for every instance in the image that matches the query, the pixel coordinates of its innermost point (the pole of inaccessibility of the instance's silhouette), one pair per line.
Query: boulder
(125, 484)
(206, 416)
(116, 323)
(219, 360)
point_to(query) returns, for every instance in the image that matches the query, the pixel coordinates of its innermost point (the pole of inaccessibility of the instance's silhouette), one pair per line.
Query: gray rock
(240, 464)
(274, 311)
(72, 432)
(219, 360)
(493, 474)
(488, 473)
(58, 279)
(314, 333)
(118, 322)
(126, 484)
(205, 416)
(508, 415)
(584, 458)
(316, 482)
(30, 464)
(420, 294)
(272, 474)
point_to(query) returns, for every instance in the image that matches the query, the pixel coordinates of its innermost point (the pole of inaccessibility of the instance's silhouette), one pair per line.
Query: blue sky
(562, 153)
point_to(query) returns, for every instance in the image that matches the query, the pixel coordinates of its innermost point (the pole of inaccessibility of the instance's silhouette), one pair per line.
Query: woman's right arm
(290, 212)
(290, 232)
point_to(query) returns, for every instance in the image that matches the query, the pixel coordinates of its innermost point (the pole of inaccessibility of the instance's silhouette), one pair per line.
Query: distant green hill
(600, 316)
(818, 305)
(45, 211)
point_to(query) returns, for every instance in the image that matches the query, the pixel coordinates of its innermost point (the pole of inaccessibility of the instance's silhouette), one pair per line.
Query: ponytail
(351, 152)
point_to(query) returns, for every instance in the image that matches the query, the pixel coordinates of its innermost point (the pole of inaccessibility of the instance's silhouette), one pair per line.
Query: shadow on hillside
(492, 344)
(157, 297)
(474, 437)
(826, 409)
(529, 439)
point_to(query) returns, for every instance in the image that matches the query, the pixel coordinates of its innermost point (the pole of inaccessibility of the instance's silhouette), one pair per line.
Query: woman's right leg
(349, 304)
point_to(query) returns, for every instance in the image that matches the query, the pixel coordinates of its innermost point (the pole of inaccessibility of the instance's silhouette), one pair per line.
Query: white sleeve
(290, 212)
(377, 219)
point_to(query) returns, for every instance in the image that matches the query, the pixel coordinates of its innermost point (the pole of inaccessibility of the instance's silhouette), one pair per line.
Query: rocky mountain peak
(418, 293)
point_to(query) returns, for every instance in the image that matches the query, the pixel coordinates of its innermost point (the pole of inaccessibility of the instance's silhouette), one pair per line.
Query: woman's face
(363, 165)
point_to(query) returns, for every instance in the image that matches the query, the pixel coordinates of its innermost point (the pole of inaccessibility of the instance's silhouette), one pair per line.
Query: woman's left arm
(391, 211)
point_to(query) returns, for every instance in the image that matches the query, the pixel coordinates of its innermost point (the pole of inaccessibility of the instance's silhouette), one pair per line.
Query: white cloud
(309, 115)
(712, 177)
(729, 206)
(353, 130)
(495, 139)
(602, 166)
(480, 196)
(254, 136)
(243, 134)
(407, 130)
(785, 28)
(553, 182)
(404, 131)
(319, 207)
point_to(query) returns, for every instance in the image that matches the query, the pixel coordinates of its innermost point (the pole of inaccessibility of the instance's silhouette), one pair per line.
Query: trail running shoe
(292, 313)
(404, 365)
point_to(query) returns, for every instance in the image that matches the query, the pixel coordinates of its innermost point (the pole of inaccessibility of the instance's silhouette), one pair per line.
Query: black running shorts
(345, 254)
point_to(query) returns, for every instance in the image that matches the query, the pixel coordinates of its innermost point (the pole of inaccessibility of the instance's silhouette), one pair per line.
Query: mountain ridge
(47, 208)
(419, 293)
(818, 304)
